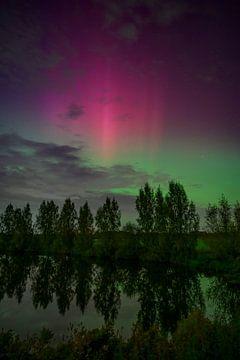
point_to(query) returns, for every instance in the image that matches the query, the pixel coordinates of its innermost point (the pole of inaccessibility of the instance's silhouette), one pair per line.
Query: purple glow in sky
(98, 97)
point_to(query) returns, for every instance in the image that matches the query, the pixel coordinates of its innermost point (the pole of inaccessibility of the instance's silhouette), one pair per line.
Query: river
(60, 292)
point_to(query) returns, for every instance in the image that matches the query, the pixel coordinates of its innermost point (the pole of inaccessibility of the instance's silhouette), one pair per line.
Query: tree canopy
(173, 213)
(108, 217)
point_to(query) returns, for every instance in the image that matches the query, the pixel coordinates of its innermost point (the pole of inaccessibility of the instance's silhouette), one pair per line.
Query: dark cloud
(60, 152)
(123, 117)
(114, 11)
(23, 59)
(169, 11)
(129, 32)
(36, 44)
(33, 171)
(144, 12)
(107, 100)
(209, 77)
(73, 112)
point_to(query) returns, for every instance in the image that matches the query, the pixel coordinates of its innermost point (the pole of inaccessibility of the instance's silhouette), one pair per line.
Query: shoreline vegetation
(196, 337)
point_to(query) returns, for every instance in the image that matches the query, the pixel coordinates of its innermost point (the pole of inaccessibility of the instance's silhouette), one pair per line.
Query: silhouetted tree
(27, 221)
(177, 208)
(18, 222)
(145, 209)
(130, 227)
(85, 220)
(47, 221)
(219, 218)
(193, 219)
(7, 220)
(67, 224)
(225, 216)
(108, 217)
(115, 218)
(212, 220)
(181, 220)
(23, 231)
(159, 212)
(237, 217)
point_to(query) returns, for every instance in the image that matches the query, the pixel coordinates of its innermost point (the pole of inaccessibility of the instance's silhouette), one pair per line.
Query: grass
(202, 245)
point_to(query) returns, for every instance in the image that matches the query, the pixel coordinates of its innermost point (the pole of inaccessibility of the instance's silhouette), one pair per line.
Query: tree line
(172, 213)
(222, 218)
(156, 213)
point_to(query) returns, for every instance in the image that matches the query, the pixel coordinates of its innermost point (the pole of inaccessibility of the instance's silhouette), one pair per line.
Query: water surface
(55, 292)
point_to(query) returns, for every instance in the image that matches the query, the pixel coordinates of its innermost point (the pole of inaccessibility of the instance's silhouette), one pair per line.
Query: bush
(193, 339)
(196, 338)
(148, 344)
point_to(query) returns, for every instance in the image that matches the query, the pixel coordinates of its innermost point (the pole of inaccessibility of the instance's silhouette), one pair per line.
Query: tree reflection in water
(14, 272)
(107, 293)
(83, 283)
(165, 294)
(226, 298)
(42, 282)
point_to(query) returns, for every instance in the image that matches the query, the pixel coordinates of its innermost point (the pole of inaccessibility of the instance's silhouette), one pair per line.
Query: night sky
(97, 97)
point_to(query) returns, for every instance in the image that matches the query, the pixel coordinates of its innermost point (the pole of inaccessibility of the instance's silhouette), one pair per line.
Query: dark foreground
(196, 337)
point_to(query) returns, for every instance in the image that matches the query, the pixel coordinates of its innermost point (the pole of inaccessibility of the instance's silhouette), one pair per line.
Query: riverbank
(206, 253)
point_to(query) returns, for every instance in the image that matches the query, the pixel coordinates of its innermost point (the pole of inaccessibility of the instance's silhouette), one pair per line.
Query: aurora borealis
(98, 97)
